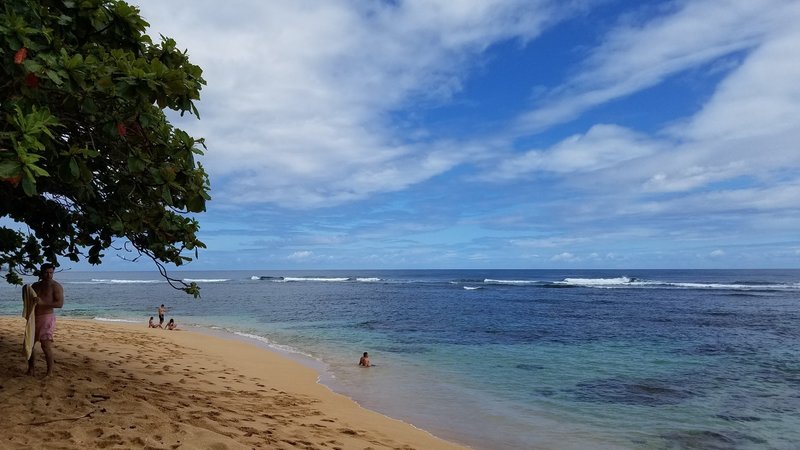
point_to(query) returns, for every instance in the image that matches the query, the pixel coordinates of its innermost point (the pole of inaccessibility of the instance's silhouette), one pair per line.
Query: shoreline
(121, 384)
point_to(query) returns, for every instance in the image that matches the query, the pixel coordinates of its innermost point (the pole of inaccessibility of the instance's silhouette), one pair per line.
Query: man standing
(50, 295)
(161, 311)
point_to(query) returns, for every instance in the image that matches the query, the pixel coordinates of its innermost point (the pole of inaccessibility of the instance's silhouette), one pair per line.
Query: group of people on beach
(39, 300)
(162, 310)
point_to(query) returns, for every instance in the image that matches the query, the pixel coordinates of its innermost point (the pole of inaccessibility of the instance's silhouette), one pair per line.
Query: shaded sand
(127, 386)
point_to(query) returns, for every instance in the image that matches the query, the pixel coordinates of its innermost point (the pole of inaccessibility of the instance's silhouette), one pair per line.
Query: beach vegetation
(88, 158)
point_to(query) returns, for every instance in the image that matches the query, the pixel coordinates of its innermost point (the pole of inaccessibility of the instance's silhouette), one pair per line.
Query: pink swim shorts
(45, 327)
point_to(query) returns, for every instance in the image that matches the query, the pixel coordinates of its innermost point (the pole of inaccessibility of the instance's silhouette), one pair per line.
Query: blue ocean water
(514, 359)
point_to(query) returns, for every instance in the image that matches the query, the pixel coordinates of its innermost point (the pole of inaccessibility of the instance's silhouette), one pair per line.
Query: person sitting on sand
(152, 324)
(364, 361)
(171, 325)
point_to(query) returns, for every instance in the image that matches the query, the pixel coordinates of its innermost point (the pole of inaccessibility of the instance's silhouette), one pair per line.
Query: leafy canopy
(87, 155)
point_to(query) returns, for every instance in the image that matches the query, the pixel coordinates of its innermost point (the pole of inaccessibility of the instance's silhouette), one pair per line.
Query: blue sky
(495, 133)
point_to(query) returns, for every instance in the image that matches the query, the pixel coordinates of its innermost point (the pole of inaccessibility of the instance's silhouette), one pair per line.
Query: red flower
(13, 180)
(20, 56)
(32, 80)
(121, 129)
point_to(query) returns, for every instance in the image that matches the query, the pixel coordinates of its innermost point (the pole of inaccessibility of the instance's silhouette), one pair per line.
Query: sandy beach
(127, 386)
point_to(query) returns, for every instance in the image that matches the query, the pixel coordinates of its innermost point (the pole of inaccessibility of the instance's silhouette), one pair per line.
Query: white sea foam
(736, 286)
(368, 279)
(112, 281)
(472, 288)
(339, 280)
(511, 282)
(206, 280)
(633, 282)
(596, 281)
(270, 344)
(254, 277)
(107, 319)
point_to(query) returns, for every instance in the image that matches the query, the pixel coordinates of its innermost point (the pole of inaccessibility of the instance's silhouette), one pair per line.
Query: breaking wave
(113, 281)
(630, 282)
(206, 280)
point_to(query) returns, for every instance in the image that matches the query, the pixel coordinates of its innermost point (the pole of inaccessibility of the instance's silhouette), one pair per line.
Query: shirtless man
(50, 295)
(161, 311)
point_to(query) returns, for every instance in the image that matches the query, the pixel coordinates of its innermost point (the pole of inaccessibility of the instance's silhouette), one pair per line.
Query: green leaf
(74, 62)
(117, 226)
(74, 170)
(28, 185)
(9, 169)
(166, 195)
(38, 171)
(196, 204)
(54, 77)
(136, 164)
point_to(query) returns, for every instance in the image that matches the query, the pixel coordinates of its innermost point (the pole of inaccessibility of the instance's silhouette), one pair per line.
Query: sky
(381, 134)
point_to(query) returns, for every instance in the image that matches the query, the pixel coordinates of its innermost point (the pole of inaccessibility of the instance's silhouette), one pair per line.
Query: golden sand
(127, 386)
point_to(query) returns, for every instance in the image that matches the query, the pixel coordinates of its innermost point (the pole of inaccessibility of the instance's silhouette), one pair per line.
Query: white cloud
(717, 253)
(300, 94)
(638, 56)
(551, 242)
(602, 147)
(565, 257)
(300, 255)
(748, 129)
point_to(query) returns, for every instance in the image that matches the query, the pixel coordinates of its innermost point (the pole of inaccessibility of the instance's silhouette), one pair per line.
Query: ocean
(512, 359)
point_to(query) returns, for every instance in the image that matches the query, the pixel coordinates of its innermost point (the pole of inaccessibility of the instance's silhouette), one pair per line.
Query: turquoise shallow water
(514, 359)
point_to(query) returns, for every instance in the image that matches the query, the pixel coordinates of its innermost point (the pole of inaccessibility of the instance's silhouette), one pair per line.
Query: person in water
(171, 325)
(364, 361)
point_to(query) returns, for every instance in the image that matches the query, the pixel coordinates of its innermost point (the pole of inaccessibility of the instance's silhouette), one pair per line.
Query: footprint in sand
(349, 431)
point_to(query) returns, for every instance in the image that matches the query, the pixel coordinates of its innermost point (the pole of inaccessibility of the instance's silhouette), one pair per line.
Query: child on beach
(364, 361)
(171, 325)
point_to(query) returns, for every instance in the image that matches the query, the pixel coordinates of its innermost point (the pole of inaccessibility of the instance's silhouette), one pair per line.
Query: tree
(88, 158)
